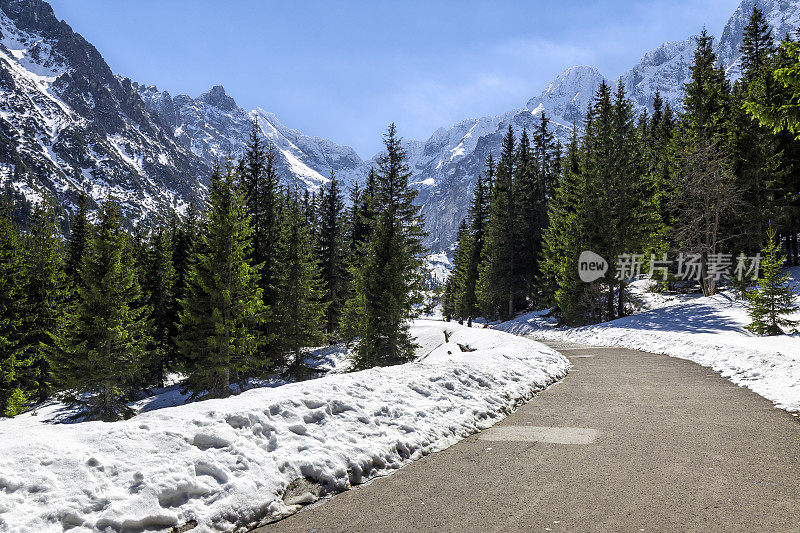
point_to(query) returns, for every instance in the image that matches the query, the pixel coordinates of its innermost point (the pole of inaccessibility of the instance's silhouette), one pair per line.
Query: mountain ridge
(68, 124)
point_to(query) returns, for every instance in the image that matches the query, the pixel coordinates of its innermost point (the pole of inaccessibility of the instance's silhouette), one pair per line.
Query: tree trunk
(610, 302)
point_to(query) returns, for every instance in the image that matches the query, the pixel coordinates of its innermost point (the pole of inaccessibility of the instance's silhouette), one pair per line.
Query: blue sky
(344, 70)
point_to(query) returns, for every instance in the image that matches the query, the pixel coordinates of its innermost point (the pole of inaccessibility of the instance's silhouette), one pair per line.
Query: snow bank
(226, 464)
(709, 331)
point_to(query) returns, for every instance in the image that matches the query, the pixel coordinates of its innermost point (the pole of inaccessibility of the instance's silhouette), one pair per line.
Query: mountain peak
(217, 97)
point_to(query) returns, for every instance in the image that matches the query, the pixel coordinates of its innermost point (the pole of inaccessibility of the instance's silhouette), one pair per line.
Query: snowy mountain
(213, 127)
(783, 17)
(67, 123)
(445, 166)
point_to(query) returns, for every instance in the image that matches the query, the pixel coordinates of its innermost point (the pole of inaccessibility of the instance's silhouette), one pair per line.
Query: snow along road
(234, 463)
(628, 441)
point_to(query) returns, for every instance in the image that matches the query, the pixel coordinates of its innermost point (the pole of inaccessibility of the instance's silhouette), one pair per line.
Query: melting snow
(226, 463)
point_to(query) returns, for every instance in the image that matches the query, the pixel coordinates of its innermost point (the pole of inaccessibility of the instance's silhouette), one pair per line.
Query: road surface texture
(628, 441)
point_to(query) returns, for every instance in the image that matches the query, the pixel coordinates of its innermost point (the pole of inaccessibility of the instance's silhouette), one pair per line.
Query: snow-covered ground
(227, 464)
(709, 331)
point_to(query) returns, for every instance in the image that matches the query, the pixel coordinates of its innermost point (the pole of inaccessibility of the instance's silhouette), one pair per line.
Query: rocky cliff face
(452, 158)
(213, 127)
(67, 124)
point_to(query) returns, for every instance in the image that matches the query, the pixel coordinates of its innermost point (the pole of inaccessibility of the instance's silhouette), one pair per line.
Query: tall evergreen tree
(263, 197)
(12, 396)
(80, 233)
(454, 288)
(497, 284)
(333, 254)
(478, 217)
(389, 280)
(160, 295)
(528, 203)
(756, 158)
(222, 311)
(564, 240)
(45, 301)
(300, 309)
(107, 335)
(705, 194)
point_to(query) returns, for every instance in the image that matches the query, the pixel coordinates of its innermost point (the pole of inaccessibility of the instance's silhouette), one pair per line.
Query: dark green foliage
(705, 195)
(773, 298)
(564, 240)
(461, 290)
(11, 316)
(454, 288)
(497, 284)
(159, 290)
(333, 253)
(300, 309)
(107, 336)
(45, 300)
(80, 233)
(388, 279)
(260, 180)
(222, 310)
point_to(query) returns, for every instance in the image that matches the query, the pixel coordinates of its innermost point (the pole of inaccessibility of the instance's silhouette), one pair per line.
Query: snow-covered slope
(234, 463)
(446, 166)
(783, 17)
(213, 127)
(67, 124)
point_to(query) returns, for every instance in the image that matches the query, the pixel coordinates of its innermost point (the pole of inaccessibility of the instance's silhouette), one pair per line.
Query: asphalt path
(628, 441)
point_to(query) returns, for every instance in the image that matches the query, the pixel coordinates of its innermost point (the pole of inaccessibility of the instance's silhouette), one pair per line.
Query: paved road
(646, 443)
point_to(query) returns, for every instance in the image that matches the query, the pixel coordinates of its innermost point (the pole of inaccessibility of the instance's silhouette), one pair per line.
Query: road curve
(628, 441)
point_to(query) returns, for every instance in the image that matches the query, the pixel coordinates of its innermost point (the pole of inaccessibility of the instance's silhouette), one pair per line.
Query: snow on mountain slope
(664, 69)
(445, 171)
(214, 127)
(783, 17)
(67, 124)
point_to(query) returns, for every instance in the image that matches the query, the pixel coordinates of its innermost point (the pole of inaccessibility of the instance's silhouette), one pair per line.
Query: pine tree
(159, 284)
(80, 233)
(186, 237)
(222, 311)
(528, 202)
(454, 288)
(107, 334)
(300, 309)
(705, 194)
(12, 398)
(389, 279)
(333, 254)
(564, 240)
(478, 216)
(756, 161)
(45, 301)
(774, 298)
(757, 45)
(364, 221)
(263, 197)
(497, 290)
